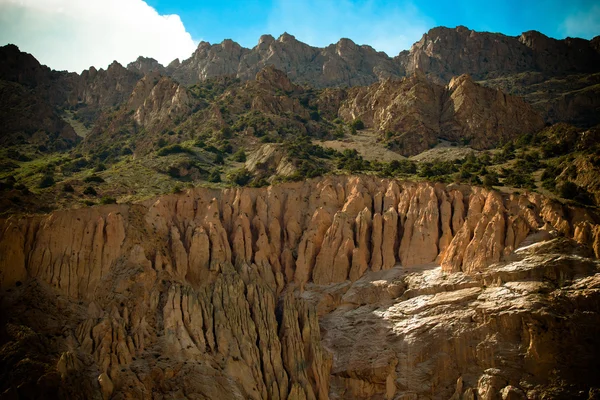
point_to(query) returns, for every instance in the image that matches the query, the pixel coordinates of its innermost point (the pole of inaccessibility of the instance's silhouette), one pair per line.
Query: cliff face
(416, 112)
(226, 294)
(443, 53)
(340, 64)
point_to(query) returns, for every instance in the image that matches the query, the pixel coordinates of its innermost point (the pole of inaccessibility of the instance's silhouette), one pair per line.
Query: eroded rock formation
(415, 112)
(298, 291)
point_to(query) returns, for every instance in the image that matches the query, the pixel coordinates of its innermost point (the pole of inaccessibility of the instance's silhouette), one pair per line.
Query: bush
(100, 167)
(68, 188)
(90, 191)
(162, 142)
(93, 178)
(173, 149)
(358, 124)
(214, 176)
(108, 200)
(517, 178)
(176, 189)
(239, 176)
(240, 156)
(568, 190)
(46, 181)
(490, 180)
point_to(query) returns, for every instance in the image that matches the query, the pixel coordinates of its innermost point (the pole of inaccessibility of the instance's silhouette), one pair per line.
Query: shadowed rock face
(326, 288)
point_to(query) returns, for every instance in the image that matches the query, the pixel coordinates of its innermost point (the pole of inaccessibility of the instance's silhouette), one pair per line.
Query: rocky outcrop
(145, 65)
(456, 336)
(326, 222)
(415, 113)
(158, 100)
(343, 63)
(443, 53)
(227, 293)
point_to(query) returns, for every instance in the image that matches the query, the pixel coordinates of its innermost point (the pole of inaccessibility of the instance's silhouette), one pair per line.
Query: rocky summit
(294, 222)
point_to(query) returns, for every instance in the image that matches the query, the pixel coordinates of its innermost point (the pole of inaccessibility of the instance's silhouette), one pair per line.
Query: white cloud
(584, 24)
(76, 34)
(386, 27)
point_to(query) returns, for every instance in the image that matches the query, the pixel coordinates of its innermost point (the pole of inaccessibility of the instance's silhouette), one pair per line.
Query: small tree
(358, 124)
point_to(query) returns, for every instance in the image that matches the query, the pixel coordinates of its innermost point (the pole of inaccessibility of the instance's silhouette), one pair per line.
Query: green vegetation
(357, 124)
(173, 149)
(108, 200)
(46, 181)
(90, 191)
(239, 176)
(239, 156)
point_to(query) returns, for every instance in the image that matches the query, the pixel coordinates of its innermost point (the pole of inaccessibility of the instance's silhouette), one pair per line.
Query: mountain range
(293, 222)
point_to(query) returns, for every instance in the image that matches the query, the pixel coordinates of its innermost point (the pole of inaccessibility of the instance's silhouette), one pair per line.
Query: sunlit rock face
(340, 287)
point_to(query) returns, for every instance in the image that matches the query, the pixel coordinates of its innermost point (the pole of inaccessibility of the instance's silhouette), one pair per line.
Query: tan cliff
(415, 112)
(228, 293)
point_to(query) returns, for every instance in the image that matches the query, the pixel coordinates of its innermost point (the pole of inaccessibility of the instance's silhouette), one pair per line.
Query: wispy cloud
(583, 23)
(390, 27)
(76, 34)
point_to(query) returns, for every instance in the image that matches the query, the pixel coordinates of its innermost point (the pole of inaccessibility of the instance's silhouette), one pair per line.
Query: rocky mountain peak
(265, 40)
(145, 65)
(21, 67)
(286, 37)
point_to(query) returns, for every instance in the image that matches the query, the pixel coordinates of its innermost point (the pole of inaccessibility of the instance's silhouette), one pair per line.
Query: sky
(76, 34)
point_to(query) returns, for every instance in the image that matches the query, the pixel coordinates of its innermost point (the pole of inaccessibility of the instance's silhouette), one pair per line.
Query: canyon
(338, 287)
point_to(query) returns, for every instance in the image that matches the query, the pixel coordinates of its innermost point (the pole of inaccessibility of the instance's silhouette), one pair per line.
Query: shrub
(162, 142)
(358, 124)
(214, 176)
(90, 191)
(239, 176)
(173, 149)
(108, 200)
(68, 188)
(240, 156)
(93, 178)
(568, 190)
(490, 180)
(46, 181)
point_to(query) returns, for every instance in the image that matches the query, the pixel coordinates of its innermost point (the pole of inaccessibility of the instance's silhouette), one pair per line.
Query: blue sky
(74, 34)
(324, 21)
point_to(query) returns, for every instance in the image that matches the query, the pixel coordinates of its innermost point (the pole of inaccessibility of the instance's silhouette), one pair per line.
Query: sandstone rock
(195, 293)
(421, 228)
(106, 386)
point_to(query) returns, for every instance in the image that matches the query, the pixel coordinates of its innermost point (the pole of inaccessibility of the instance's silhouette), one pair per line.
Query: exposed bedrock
(227, 293)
